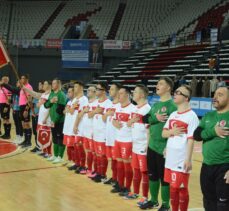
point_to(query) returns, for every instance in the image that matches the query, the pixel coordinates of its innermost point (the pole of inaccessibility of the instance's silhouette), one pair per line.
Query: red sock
(114, 169)
(95, 162)
(99, 165)
(184, 199)
(120, 173)
(137, 180)
(89, 160)
(104, 164)
(77, 157)
(128, 174)
(174, 196)
(69, 153)
(145, 184)
(82, 155)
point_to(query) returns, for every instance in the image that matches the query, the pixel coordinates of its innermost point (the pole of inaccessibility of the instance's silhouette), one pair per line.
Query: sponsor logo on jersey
(163, 109)
(222, 123)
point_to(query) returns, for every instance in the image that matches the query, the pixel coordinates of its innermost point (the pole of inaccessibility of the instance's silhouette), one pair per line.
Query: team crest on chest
(222, 123)
(163, 109)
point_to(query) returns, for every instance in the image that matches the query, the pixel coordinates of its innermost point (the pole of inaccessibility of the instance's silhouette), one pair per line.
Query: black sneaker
(5, 136)
(116, 189)
(163, 208)
(77, 171)
(108, 181)
(149, 205)
(22, 143)
(124, 192)
(73, 167)
(34, 150)
(42, 154)
(26, 145)
(99, 178)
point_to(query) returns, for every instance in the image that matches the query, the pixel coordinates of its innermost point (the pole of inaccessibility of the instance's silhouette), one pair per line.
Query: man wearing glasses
(179, 129)
(214, 132)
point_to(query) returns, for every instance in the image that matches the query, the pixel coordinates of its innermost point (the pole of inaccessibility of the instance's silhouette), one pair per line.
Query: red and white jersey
(79, 104)
(123, 115)
(139, 130)
(44, 112)
(176, 148)
(88, 122)
(110, 129)
(4, 95)
(99, 126)
(68, 121)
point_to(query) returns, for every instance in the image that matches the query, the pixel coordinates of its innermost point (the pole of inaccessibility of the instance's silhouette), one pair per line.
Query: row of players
(96, 130)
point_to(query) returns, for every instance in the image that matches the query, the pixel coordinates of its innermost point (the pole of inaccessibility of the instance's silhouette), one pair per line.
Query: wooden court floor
(30, 183)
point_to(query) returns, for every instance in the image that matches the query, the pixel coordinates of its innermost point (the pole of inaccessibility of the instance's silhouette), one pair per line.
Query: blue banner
(200, 105)
(82, 53)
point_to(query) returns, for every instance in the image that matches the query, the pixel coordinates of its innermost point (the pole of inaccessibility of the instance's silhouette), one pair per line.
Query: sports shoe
(98, 178)
(124, 192)
(89, 172)
(52, 158)
(5, 136)
(46, 155)
(149, 205)
(108, 181)
(163, 208)
(80, 168)
(35, 149)
(42, 154)
(16, 139)
(26, 145)
(73, 167)
(116, 188)
(131, 196)
(84, 171)
(142, 201)
(58, 160)
(92, 175)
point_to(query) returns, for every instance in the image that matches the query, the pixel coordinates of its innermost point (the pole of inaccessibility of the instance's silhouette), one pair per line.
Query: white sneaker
(20, 139)
(58, 160)
(52, 158)
(16, 139)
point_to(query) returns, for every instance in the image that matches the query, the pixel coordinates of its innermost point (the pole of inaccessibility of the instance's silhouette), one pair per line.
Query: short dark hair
(187, 87)
(144, 89)
(127, 89)
(81, 83)
(169, 81)
(104, 85)
(118, 85)
(26, 76)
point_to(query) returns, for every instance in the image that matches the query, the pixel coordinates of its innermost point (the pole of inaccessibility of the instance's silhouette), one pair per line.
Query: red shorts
(100, 148)
(69, 141)
(110, 152)
(86, 143)
(123, 150)
(176, 179)
(139, 162)
(78, 139)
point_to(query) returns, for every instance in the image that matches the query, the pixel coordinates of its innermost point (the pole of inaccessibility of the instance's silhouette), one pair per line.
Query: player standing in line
(123, 143)
(88, 130)
(140, 143)
(80, 102)
(155, 160)
(99, 131)
(56, 104)
(214, 131)
(179, 130)
(111, 132)
(68, 124)
(5, 97)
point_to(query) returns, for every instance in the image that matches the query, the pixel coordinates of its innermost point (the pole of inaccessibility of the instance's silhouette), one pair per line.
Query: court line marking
(32, 169)
(196, 209)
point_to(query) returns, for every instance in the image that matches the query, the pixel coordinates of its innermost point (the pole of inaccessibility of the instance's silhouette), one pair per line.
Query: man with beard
(214, 132)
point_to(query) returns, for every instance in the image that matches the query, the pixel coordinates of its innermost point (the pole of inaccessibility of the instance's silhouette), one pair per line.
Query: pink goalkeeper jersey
(4, 94)
(24, 95)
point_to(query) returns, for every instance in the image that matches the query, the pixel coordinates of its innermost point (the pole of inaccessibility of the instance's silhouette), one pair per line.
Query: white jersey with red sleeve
(99, 126)
(176, 148)
(4, 95)
(79, 104)
(88, 122)
(110, 129)
(44, 112)
(123, 115)
(68, 121)
(139, 129)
